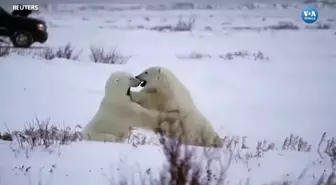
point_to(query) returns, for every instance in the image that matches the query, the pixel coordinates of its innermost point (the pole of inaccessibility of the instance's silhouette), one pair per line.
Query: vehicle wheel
(22, 39)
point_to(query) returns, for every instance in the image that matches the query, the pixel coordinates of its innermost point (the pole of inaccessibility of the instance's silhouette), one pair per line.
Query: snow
(292, 92)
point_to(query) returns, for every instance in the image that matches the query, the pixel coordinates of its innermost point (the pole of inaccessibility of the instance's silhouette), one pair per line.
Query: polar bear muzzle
(143, 83)
(134, 82)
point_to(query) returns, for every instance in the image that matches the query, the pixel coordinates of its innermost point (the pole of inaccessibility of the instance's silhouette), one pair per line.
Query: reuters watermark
(25, 7)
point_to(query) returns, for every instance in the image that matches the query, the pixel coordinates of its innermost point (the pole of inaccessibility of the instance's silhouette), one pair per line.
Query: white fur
(117, 113)
(164, 92)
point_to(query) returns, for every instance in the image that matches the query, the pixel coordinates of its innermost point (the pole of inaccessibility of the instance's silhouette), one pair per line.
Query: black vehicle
(22, 31)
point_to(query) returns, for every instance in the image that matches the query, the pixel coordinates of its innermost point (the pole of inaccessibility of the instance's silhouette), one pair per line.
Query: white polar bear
(117, 113)
(163, 91)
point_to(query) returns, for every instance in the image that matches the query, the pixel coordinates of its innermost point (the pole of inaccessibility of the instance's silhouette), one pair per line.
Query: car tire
(22, 39)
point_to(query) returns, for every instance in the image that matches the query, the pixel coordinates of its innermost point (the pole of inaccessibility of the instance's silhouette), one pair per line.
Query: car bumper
(41, 37)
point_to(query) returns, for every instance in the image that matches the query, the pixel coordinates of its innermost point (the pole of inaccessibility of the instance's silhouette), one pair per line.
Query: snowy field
(289, 89)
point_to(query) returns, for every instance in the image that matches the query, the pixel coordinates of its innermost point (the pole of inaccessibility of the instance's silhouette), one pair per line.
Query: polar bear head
(159, 79)
(119, 85)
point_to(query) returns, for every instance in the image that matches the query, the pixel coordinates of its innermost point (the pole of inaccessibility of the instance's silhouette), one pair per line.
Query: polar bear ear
(159, 70)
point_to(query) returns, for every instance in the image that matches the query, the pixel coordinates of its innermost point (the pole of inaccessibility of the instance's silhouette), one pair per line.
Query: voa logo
(309, 15)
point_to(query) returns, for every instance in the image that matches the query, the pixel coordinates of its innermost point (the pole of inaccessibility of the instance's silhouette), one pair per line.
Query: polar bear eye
(146, 72)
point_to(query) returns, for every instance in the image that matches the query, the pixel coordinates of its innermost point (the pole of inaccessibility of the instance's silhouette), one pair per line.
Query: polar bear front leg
(143, 95)
(149, 100)
(137, 96)
(141, 98)
(171, 105)
(152, 119)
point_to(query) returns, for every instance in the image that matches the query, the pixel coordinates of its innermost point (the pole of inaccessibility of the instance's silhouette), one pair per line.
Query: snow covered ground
(291, 92)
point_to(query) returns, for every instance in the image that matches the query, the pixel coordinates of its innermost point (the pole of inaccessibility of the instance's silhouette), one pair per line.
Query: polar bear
(163, 91)
(117, 113)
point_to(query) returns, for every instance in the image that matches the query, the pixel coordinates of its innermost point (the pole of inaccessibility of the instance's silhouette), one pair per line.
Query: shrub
(99, 55)
(47, 54)
(244, 54)
(260, 56)
(227, 56)
(4, 49)
(319, 26)
(65, 52)
(208, 28)
(284, 25)
(6, 136)
(41, 133)
(185, 26)
(182, 169)
(296, 143)
(183, 6)
(183, 166)
(23, 52)
(163, 28)
(180, 26)
(330, 149)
